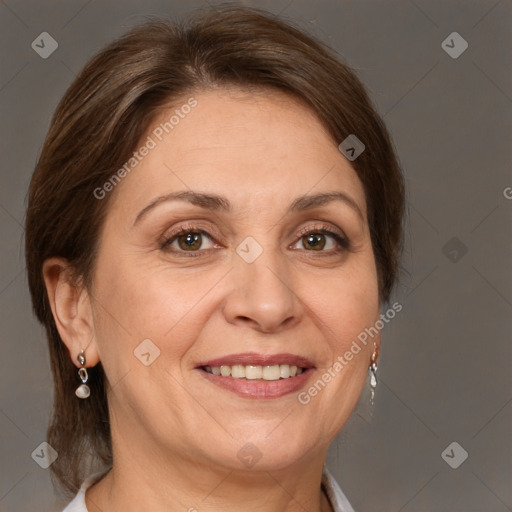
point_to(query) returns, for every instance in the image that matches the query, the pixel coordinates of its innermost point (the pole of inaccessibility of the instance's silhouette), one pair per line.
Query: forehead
(250, 145)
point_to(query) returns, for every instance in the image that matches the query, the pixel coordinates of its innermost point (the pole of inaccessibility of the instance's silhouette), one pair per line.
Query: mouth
(256, 372)
(258, 376)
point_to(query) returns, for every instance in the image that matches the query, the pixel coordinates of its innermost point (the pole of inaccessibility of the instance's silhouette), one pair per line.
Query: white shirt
(338, 500)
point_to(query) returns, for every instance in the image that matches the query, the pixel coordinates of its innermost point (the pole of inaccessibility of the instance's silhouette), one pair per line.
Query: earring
(373, 376)
(82, 391)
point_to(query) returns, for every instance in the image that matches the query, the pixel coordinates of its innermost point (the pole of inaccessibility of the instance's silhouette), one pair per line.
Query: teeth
(284, 370)
(238, 371)
(271, 372)
(255, 372)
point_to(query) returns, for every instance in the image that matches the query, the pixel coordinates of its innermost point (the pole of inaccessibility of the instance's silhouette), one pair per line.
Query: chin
(264, 452)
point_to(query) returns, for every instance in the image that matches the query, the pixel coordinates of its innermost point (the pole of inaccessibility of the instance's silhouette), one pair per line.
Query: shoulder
(78, 502)
(339, 501)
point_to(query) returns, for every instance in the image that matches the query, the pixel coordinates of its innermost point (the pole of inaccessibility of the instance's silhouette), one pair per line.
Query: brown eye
(188, 241)
(314, 241)
(321, 240)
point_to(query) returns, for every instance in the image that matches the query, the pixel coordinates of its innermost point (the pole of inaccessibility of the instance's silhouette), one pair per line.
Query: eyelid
(171, 236)
(327, 229)
(196, 226)
(319, 227)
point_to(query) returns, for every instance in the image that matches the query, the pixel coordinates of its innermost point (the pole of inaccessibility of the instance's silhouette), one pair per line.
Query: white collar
(337, 498)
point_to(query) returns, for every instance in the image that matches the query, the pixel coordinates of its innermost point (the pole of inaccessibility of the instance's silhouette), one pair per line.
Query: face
(238, 245)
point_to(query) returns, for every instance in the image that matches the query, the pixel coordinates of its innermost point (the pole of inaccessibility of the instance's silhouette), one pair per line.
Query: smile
(253, 375)
(256, 372)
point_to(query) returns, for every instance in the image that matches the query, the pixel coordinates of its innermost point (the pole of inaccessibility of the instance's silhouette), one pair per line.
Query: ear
(71, 308)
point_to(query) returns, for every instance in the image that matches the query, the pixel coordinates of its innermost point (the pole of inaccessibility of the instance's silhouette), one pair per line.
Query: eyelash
(323, 229)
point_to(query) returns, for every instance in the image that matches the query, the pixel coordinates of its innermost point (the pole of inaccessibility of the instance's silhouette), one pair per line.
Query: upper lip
(253, 358)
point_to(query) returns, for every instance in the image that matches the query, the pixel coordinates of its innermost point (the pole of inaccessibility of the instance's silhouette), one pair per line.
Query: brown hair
(101, 119)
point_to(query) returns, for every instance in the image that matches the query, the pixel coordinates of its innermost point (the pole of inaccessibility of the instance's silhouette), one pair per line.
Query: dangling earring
(82, 391)
(373, 375)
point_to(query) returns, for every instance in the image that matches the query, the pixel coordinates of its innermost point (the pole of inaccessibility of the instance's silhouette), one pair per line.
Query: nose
(261, 295)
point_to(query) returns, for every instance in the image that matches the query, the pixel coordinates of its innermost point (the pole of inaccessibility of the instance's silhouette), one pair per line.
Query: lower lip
(259, 388)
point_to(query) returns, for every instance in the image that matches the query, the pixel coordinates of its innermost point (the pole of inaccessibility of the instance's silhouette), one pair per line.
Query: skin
(175, 435)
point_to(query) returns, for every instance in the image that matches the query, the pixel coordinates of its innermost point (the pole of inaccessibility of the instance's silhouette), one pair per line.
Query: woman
(214, 220)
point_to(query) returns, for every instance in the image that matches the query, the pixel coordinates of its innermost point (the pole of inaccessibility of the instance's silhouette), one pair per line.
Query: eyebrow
(215, 202)
(308, 202)
(206, 201)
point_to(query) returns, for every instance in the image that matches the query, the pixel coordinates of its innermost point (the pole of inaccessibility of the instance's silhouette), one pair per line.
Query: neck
(146, 477)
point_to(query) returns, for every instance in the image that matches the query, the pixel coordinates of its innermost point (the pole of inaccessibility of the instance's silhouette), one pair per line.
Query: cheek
(347, 304)
(136, 302)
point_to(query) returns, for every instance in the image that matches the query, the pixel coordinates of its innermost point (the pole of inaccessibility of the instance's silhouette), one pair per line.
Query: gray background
(445, 366)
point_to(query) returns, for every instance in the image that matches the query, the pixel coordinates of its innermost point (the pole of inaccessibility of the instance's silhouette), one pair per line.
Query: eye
(321, 239)
(188, 240)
